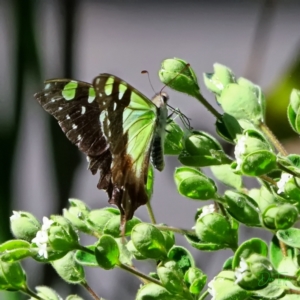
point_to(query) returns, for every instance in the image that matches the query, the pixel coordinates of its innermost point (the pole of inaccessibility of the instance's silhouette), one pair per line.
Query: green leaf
(149, 241)
(107, 252)
(45, 292)
(274, 290)
(171, 277)
(12, 276)
(223, 287)
(227, 265)
(193, 184)
(290, 236)
(196, 280)
(225, 174)
(169, 239)
(131, 248)
(228, 128)
(98, 218)
(242, 208)
(259, 163)
(182, 257)
(112, 226)
(152, 291)
(203, 246)
(215, 228)
(290, 162)
(173, 139)
(85, 258)
(249, 247)
(69, 269)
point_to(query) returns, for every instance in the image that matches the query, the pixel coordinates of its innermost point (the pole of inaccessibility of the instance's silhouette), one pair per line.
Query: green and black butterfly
(117, 127)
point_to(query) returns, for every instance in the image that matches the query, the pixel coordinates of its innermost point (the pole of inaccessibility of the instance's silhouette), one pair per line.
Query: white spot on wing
(79, 137)
(68, 117)
(60, 108)
(100, 94)
(88, 159)
(74, 126)
(98, 80)
(83, 110)
(115, 105)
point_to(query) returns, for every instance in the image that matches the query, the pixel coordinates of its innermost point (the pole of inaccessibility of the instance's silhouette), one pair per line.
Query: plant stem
(91, 292)
(29, 292)
(85, 249)
(150, 212)
(273, 139)
(208, 106)
(139, 274)
(177, 230)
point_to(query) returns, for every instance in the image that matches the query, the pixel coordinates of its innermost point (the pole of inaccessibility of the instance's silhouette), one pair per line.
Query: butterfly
(118, 128)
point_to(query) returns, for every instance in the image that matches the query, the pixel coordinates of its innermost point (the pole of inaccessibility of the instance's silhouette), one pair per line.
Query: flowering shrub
(254, 271)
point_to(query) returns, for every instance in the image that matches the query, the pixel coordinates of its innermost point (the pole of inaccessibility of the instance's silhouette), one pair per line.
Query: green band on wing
(69, 90)
(92, 95)
(109, 86)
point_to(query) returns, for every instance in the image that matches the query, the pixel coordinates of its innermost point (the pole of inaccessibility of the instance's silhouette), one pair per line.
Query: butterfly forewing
(73, 104)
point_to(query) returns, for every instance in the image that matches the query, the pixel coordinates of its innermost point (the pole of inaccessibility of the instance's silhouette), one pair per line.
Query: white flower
(239, 150)
(41, 238)
(207, 209)
(240, 270)
(43, 250)
(16, 215)
(46, 223)
(285, 177)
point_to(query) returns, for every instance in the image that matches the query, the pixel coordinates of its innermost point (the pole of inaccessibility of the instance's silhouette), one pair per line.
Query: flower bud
(24, 225)
(219, 79)
(254, 157)
(202, 150)
(280, 217)
(178, 75)
(77, 214)
(253, 272)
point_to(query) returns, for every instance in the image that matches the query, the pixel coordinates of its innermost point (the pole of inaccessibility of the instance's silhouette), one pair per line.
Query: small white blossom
(240, 270)
(43, 250)
(46, 223)
(285, 177)
(16, 215)
(207, 209)
(239, 150)
(41, 238)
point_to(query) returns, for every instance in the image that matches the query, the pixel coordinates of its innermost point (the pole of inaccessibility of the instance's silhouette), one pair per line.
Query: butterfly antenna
(146, 72)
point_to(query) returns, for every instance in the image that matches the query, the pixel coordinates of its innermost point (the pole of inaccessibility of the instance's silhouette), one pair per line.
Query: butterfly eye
(164, 97)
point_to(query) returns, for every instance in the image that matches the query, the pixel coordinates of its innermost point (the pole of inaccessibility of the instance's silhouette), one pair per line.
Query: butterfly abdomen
(157, 156)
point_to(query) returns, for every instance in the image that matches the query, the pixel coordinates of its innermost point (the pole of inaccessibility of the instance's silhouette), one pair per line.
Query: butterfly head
(160, 99)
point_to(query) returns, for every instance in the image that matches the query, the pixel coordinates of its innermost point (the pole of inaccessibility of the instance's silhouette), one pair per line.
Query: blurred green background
(40, 169)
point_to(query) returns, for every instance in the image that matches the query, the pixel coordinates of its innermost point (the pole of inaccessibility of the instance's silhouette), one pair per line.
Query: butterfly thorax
(157, 159)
